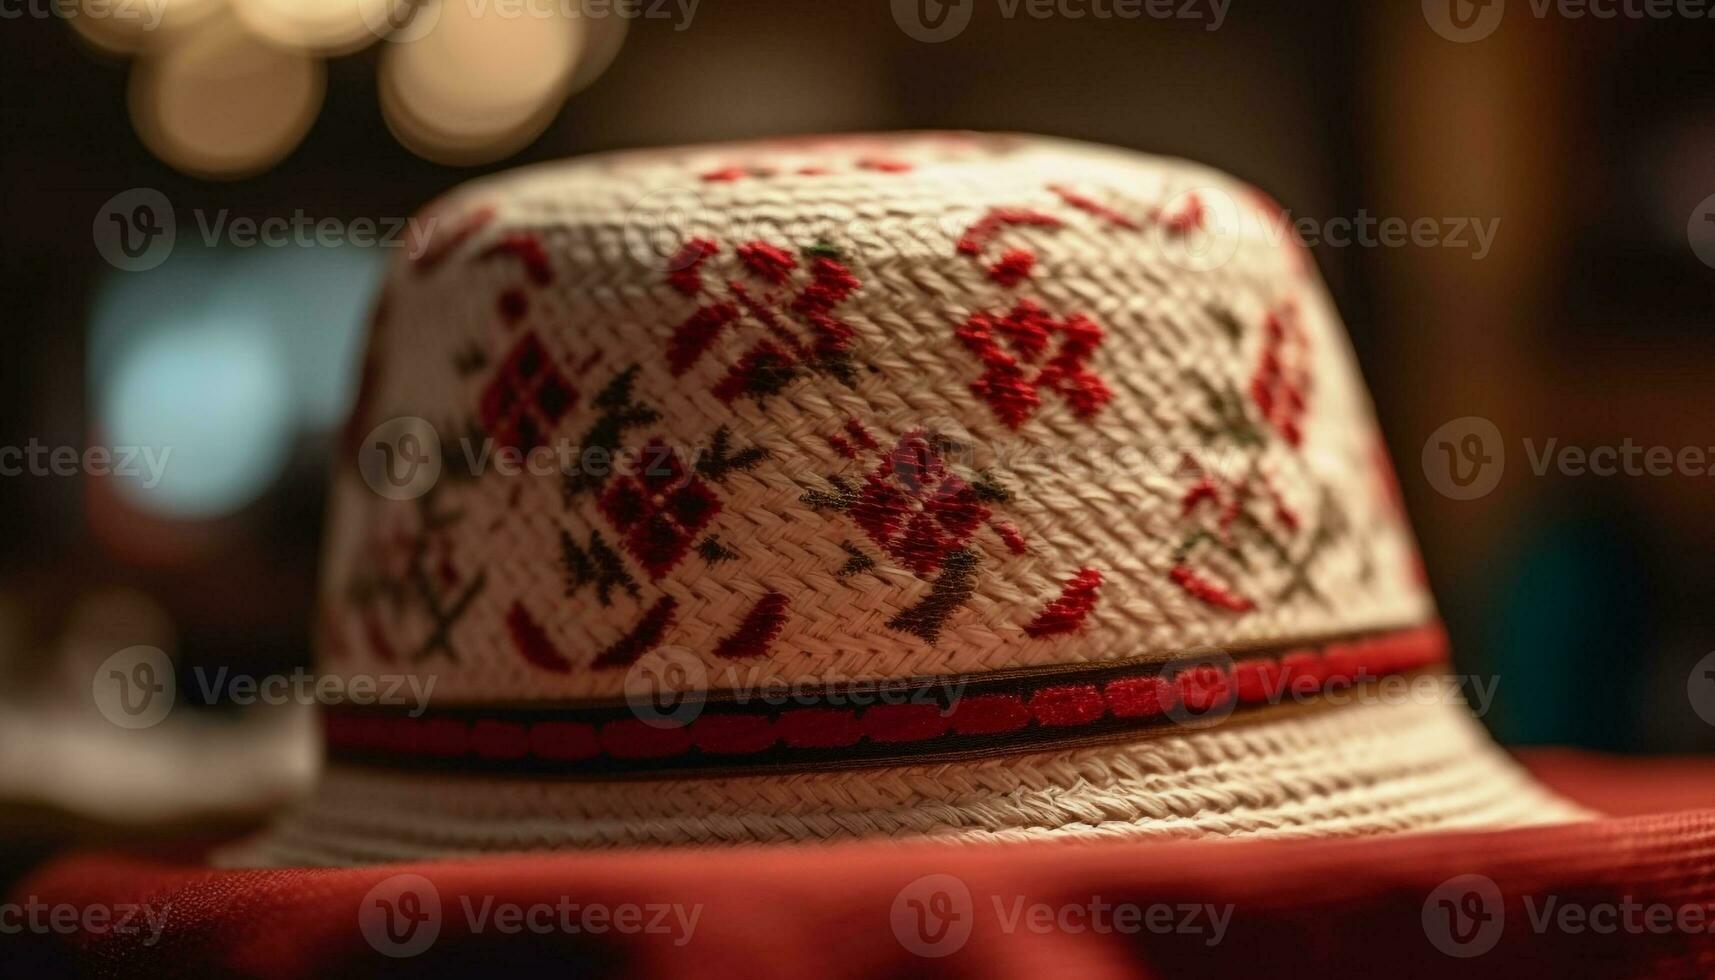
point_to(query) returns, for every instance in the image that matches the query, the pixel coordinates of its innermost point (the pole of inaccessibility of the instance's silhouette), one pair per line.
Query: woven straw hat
(933, 485)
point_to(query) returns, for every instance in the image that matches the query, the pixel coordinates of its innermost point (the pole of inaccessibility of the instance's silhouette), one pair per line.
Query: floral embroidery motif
(526, 398)
(1007, 384)
(596, 565)
(658, 507)
(932, 548)
(1233, 514)
(1014, 264)
(660, 510)
(921, 512)
(620, 413)
(916, 509)
(1281, 383)
(406, 570)
(799, 330)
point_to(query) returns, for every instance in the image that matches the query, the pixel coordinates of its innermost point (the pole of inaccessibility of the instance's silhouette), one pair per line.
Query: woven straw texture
(874, 408)
(909, 405)
(1360, 769)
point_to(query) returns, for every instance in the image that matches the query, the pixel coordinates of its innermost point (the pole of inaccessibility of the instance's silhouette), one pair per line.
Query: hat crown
(853, 409)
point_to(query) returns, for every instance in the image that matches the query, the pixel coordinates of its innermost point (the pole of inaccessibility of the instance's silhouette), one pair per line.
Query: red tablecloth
(1213, 909)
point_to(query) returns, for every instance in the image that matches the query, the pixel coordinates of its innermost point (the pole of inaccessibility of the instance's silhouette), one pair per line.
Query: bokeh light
(481, 84)
(223, 103)
(211, 337)
(225, 89)
(329, 27)
(213, 394)
(128, 28)
(314, 302)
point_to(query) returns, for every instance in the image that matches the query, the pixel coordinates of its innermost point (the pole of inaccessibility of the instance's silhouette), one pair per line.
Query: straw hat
(933, 485)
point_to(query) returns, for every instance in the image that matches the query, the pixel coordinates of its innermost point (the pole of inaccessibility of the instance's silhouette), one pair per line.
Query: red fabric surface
(1625, 785)
(1295, 908)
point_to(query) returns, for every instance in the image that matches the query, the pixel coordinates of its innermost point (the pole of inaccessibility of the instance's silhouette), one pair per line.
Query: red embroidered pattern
(532, 641)
(800, 331)
(1090, 205)
(1067, 613)
(514, 303)
(1189, 216)
(659, 511)
(644, 637)
(1278, 398)
(1015, 264)
(760, 626)
(1210, 592)
(526, 398)
(442, 246)
(687, 266)
(1007, 383)
(1281, 383)
(527, 249)
(732, 174)
(916, 509)
(1036, 710)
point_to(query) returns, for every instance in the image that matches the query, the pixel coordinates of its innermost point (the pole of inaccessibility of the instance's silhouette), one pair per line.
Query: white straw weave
(1184, 317)
(1359, 769)
(938, 404)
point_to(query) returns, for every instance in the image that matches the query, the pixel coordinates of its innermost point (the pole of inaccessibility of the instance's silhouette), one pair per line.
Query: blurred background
(1590, 320)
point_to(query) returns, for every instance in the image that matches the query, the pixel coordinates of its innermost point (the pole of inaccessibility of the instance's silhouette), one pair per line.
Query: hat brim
(1360, 768)
(1316, 908)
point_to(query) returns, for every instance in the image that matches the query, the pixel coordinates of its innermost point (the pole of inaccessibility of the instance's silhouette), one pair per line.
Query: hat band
(875, 723)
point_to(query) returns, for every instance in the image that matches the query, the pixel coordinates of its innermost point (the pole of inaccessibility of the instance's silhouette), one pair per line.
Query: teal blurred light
(221, 359)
